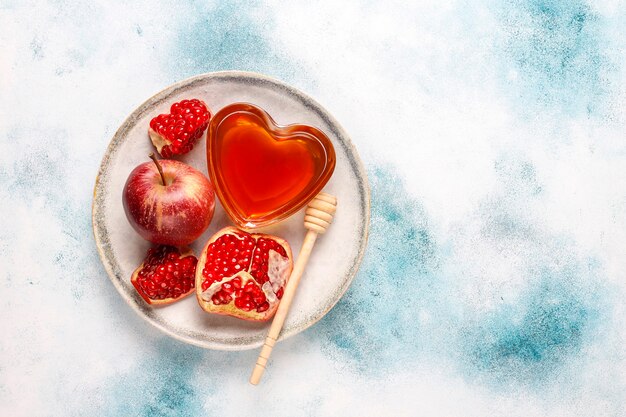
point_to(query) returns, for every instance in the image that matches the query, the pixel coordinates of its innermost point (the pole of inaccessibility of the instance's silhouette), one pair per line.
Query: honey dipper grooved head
(319, 213)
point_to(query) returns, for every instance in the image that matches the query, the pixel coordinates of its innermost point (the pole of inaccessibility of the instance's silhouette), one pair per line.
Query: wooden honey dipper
(318, 216)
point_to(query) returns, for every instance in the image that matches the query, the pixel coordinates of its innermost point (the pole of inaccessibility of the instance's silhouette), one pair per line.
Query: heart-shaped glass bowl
(264, 172)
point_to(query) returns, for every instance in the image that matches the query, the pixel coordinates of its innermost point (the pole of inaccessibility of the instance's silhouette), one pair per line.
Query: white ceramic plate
(336, 255)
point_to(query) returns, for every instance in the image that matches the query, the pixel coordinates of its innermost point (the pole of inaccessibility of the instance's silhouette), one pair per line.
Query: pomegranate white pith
(166, 275)
(243, 275)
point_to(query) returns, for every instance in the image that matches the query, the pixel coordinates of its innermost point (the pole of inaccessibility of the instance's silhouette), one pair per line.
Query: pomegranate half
(166, 275)
(243, 275)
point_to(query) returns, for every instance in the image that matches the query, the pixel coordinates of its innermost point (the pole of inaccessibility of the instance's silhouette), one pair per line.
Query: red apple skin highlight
(173, 214)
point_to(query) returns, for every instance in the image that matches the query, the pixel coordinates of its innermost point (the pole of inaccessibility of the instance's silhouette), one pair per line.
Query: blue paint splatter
(409, 302)
(529, 339)
(371, 324)
(37, 178)
(561, 56)
(36, 47)
(160, 386)
(229, 35)
(39, 169)
(504, 214)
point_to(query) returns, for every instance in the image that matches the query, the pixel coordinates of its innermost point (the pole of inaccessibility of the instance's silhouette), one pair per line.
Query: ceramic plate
(336, 255)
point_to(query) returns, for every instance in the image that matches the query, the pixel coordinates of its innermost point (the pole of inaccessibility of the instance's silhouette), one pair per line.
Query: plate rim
(307, 101)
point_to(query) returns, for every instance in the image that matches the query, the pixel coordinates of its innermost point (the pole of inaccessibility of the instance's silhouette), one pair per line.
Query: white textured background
(494, 134)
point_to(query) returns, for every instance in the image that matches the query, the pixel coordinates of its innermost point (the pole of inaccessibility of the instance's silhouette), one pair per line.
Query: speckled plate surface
(336, 255)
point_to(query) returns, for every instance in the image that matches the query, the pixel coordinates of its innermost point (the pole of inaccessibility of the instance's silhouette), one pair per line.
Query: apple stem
(156, 162)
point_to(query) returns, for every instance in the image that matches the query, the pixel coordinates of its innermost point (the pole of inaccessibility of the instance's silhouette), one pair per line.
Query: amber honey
(264, 172)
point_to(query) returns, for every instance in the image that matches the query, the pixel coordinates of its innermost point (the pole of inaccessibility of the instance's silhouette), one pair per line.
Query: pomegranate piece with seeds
(176, 133)
(243, 275)
(166, 275)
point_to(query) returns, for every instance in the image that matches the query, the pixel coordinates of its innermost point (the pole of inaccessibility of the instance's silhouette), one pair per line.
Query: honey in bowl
(263, 172)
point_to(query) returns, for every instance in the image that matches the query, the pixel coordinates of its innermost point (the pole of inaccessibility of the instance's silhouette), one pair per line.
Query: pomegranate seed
(231, 253)
(164, 275)
(181, 128)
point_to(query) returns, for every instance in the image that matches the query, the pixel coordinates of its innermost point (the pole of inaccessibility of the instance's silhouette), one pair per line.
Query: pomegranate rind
(184, 253)
(230, 309)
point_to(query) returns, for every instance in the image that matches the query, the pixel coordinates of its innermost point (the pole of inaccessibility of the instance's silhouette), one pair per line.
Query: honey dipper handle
(318, 216)
(283, 307)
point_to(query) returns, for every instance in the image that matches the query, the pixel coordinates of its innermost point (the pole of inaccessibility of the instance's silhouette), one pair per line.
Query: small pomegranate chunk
(166, 275)
(243, 275)
(176, 133)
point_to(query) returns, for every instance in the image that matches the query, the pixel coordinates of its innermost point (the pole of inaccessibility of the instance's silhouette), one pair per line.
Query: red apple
(168, 202)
